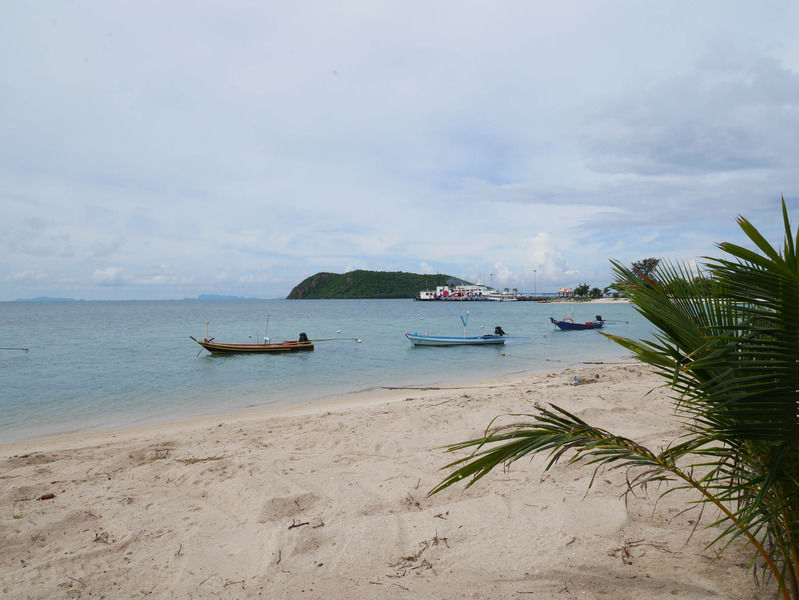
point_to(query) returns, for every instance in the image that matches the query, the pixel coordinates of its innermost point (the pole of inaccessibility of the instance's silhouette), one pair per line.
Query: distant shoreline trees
(642, 268)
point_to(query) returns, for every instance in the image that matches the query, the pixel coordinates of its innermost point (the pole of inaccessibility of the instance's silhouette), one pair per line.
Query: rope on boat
(359, 340)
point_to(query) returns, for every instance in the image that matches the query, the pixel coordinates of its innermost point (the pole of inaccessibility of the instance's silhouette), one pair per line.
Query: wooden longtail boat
(223, 348)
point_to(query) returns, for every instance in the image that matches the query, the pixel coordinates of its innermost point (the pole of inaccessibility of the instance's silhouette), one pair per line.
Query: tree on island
(645, 266)
(581, 291)
(728, 346)
(586, 291)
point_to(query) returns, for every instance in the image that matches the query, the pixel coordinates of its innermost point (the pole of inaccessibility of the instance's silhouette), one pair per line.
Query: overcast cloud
(170, 149)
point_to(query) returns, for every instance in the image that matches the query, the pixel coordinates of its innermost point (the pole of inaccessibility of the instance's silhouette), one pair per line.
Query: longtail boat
(215, 347)
(420, 339)
(569, 324)
(423, 339)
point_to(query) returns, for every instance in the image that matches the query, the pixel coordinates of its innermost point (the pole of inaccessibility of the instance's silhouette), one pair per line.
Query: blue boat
(569, 324)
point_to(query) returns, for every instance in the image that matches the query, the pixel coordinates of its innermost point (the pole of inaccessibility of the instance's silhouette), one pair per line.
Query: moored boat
(215, 347)
(506, 296)
(423, 339)
(570, 324)
(454, 293)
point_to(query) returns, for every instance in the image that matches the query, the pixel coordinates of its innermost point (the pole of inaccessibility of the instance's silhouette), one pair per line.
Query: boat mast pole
(266, 333)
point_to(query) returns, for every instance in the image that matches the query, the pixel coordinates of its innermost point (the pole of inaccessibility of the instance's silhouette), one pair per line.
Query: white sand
(330, 502)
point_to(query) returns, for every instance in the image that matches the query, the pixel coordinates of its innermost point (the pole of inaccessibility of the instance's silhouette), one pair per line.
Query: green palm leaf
(727, 343)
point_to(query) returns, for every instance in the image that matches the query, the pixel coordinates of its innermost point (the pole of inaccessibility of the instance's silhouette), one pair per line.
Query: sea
(95, 365)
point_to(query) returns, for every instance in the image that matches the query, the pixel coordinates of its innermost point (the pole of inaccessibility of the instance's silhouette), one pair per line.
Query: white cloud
(110, 276)
(425, 268)
(245, 148)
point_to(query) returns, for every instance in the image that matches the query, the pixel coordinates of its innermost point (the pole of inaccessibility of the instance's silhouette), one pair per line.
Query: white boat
(458, 292)
(423, 339)
(420, 339)
(506, 296)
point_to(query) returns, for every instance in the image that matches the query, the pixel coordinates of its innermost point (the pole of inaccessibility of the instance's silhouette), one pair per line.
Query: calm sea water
(95, 365)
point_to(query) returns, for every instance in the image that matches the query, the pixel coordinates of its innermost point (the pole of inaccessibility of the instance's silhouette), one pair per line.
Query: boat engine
(303, 337)
(498, 331)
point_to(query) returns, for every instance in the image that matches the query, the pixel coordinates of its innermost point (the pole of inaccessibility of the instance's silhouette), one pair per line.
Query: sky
(162, 150)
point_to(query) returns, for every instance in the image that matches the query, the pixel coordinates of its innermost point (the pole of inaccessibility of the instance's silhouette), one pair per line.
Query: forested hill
(368, 284)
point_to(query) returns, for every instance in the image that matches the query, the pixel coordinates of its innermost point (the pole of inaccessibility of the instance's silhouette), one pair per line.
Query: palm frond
(726, 341)
(553, 431)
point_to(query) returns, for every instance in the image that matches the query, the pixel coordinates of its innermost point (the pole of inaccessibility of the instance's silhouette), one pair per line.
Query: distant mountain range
(45, 299)
(360, 284)
(218, 297)
(368, 285)
(200, 297)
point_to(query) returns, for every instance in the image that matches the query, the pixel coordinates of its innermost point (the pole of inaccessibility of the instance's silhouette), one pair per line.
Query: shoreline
(329, 501)
(307, 406)
(594, 300)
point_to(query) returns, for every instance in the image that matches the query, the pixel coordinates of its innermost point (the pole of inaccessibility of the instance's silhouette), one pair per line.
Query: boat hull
(571, 325)
(221, 348)
(418, 339)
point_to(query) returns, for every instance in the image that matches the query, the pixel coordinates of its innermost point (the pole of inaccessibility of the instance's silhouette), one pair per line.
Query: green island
(363, 284)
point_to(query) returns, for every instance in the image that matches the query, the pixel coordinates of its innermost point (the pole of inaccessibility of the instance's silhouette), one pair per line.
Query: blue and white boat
(423, 339)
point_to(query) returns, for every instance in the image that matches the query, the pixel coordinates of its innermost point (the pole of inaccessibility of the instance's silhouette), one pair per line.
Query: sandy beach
(329, 501)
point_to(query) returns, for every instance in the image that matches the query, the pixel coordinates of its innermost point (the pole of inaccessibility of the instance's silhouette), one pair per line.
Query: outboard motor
(303, 338)
(598, 317)
(498, 331)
